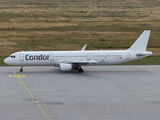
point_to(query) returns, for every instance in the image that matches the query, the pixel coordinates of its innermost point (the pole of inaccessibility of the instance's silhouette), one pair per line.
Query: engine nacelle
(65, 67)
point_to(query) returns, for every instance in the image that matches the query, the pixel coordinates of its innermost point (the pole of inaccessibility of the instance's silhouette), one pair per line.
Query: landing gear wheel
(21, 70)
(80, 70)
(76, 68)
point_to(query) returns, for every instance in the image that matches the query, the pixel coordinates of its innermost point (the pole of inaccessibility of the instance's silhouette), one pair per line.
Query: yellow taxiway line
(32, 96)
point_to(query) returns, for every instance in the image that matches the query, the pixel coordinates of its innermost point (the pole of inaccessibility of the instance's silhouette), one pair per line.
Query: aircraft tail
(141, 43)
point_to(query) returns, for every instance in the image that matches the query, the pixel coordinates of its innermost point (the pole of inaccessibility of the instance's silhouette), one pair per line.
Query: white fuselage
(56, 57)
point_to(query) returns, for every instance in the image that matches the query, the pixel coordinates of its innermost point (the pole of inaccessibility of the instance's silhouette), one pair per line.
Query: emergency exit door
(88, 57)
(51, 57)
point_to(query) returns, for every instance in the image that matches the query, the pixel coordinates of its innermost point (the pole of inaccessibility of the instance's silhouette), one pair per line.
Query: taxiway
(99, 93)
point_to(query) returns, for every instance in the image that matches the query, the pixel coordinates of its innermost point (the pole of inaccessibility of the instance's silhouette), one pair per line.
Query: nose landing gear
(21, 70)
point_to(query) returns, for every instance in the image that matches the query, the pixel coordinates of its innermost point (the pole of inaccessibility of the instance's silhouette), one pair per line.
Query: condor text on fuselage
(37, 57)
(74, 60)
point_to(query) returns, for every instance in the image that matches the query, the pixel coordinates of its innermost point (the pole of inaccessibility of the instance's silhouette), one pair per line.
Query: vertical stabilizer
(141, 43)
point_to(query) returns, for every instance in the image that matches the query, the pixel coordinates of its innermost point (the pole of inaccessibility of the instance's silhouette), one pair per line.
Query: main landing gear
(80, 70)
(21, 70)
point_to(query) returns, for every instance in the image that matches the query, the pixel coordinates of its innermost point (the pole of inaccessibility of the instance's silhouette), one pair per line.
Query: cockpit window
(13, 56)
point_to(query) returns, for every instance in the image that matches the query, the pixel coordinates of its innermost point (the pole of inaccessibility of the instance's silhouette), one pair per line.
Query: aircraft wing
(90, 62)
(84, 47)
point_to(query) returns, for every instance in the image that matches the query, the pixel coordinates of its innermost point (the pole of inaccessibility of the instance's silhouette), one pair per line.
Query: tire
(80, 70)
(21, 70)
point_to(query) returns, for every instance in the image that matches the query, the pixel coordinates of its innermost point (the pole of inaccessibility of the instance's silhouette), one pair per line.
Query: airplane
(74, 60)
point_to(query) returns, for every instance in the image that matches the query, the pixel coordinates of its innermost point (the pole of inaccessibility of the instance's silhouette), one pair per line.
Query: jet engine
(65, 67)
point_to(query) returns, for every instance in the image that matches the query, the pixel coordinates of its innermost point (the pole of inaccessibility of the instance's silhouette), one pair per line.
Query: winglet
(141, 43)
(84, 47)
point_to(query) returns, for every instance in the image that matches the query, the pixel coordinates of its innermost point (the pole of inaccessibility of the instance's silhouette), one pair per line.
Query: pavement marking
(32, 96)
(17, 75)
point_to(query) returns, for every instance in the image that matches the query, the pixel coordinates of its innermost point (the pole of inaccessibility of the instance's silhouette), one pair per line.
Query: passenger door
(21, 57)
(127, 56)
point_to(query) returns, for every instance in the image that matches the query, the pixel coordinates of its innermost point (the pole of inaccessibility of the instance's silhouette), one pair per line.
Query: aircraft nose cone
(6, 61)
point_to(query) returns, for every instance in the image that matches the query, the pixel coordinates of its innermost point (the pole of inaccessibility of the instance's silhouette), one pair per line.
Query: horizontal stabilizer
(146, 53)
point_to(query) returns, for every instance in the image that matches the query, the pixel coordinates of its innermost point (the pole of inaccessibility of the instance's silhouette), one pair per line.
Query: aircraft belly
(39, 62)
